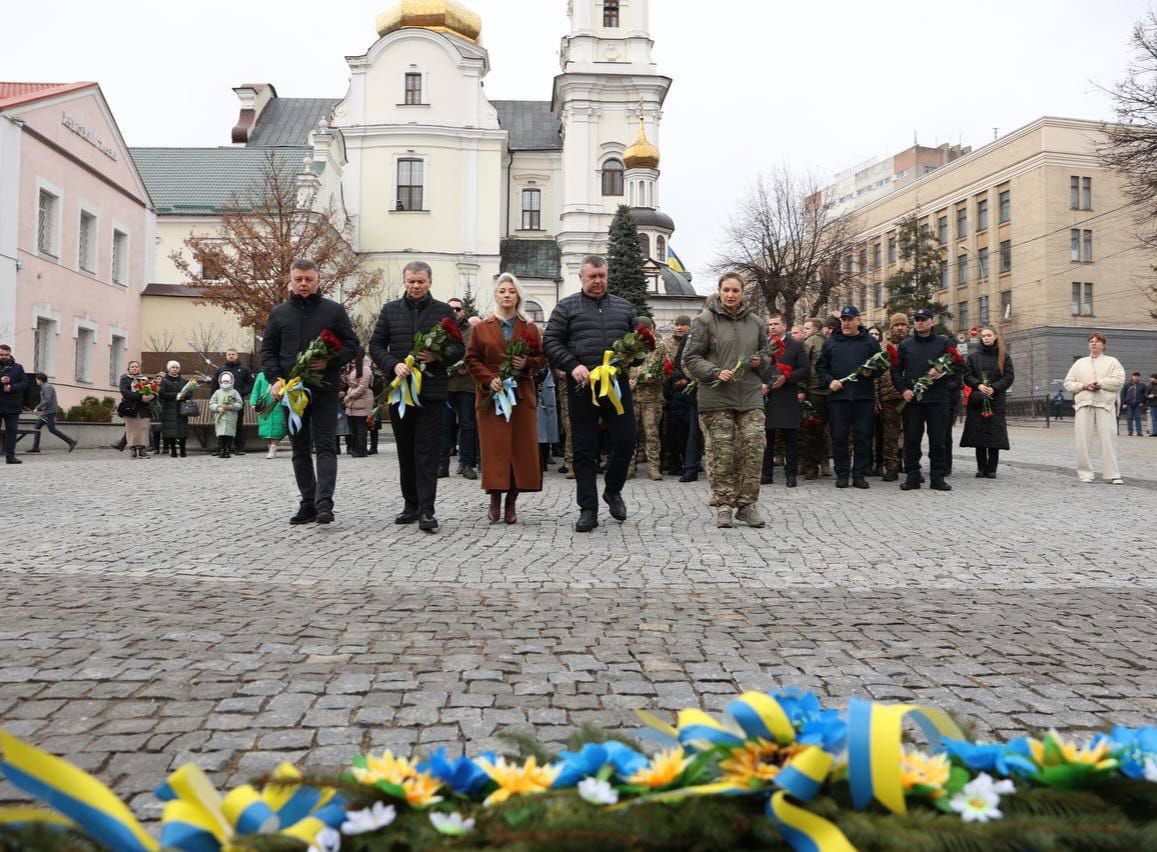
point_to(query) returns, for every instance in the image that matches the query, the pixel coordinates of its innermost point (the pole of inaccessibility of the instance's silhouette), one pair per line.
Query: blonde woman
(1095, 383)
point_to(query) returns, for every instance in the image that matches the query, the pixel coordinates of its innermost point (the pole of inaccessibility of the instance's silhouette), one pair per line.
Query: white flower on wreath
(327, 840)
(979, 801)
(1151, 770)
(378, 815)
(597, 792)
(451, 824)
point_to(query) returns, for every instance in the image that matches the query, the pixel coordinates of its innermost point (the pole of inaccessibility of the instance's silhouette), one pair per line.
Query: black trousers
(318, 424)
(930, 417)
(675, 426)
(418, 436)
(11, 425)
(790, 451)
(357, 437)
(857, 418)
(585, 417)
(460, 412)
(239, 442)
(987, 459)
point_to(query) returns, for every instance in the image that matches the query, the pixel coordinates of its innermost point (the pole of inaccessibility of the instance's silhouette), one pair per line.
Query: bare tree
(786, 244)
(1130, 147)
(244, 267)
(160, 342)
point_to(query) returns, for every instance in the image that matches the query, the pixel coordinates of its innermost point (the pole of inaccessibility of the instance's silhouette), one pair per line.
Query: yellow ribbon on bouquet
(295, 397)
(405, 391)
(604, 382)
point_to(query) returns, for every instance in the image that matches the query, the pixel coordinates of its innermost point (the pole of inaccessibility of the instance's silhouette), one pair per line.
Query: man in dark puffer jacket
(581, 328)
(851, 407)
(291, 327)
(418, 434)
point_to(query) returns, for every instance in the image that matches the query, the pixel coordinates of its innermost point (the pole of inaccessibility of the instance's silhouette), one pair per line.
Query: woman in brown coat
(510, 458)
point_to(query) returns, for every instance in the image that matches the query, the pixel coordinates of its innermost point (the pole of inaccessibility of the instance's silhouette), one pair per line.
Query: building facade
(76, 237)
(1037, 241)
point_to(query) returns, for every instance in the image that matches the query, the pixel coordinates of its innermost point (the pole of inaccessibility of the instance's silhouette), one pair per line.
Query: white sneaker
(1118, 481)
(272, 454)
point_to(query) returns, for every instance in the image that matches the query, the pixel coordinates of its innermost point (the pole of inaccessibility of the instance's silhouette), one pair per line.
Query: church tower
(609, 93)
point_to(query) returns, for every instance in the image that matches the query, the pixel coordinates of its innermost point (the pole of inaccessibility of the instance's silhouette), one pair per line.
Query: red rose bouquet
(521, 345)
(986, 401)
(809, 416)
(146, 386)
(322, 348)
(668, 367)
(406, 391)
(893, 354)
(937, 368)
(633, 346)
(878, 361)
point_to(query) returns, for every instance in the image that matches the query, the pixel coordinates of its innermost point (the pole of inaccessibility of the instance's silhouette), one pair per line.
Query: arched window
(645, 245)
(613, 177)
(534, 311)
(661, 250)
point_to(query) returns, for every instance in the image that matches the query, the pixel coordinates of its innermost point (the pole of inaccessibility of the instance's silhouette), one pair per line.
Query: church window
(613, 177)
(532, 209)
(661, 250)
(534, 311)
(410, 184)
(645, 245)
(413, 89)
(611, 13)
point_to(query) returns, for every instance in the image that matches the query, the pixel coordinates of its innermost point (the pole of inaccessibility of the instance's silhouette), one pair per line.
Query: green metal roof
(204, 180)
(287, 122)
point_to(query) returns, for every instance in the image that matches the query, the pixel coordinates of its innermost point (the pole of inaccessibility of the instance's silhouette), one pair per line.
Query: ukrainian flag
(673, 261)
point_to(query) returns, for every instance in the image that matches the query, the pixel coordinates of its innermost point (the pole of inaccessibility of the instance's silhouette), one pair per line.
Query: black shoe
(468, 473)
(860, 483)
(766, 479)
(842, 482)
(588, 520)
(990, 474)
(34, 450)
(72, 446)
(790, 481)
(303, 516)
(940, 485)
(325, 516)
(910, 485)
(890, 476)
(690, 476)
(980, 474)
(238, 452)
(428, 523)
(409, 516)
(562, 468)
(12, 460)
(444, 472)
(616, 505)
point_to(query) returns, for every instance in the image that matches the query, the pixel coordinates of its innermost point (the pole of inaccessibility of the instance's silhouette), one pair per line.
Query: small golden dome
(641, 155)
(444, 16)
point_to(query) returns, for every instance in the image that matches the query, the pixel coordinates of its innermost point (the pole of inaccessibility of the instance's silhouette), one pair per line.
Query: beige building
(1037, 242)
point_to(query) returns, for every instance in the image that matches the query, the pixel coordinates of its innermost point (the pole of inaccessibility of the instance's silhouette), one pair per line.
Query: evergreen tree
(625, 260)
(917, 283)
(469, 308)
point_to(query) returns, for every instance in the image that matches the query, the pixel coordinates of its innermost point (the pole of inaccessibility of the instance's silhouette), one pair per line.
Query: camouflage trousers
(564, 415)
(893, 433)
(733, 452)
(649, 416)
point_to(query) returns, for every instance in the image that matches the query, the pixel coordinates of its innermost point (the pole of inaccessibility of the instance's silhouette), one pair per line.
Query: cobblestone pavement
(160, 612)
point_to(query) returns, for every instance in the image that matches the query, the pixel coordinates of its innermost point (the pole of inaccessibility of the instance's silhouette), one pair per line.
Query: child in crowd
(224, 404)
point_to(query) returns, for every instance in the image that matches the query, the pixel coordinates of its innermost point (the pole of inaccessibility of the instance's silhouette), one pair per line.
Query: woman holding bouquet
(725, 355)
(988, 371)
(134, 408)
(271, 426)
(508, 435)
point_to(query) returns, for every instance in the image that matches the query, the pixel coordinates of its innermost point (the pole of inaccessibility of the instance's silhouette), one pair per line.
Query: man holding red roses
(418, 430)
(789, 370)
(582, 328)
(292, 327)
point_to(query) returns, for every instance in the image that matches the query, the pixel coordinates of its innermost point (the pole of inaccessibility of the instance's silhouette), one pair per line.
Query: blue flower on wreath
(1003, 760)
(590, 760)
(1133, 747)
(813, 724)
(463, 776)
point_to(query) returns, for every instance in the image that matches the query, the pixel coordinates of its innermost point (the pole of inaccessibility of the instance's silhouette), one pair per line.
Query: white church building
(427, 167)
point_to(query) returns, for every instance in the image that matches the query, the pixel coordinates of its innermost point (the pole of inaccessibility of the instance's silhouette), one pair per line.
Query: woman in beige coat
(1095, 383)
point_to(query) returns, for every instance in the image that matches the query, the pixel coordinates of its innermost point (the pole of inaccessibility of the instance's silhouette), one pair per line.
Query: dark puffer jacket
(841, 356)
(294, 324)
(393, 339)
(582, 328)
(173, 423)
(916, 355)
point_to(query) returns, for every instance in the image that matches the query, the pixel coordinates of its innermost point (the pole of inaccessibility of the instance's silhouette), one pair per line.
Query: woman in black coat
(988, 371)
(174, 425)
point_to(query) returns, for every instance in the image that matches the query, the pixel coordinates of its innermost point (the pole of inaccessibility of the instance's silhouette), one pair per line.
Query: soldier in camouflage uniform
(815, 444)
(564, 416)
(888, 400)
(647, 382)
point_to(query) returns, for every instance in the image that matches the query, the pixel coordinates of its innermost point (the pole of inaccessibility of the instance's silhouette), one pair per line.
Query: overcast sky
(818, 86)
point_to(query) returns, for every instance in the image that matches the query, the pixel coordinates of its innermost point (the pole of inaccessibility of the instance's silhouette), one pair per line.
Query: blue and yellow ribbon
(295, 397)
(803, 830)
(405, 391)
(505, 400)
(875, 748)
(198, 819)
(604, 382)
(72, 792)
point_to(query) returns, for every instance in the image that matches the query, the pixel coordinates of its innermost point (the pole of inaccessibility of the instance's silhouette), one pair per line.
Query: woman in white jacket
(1095, 383)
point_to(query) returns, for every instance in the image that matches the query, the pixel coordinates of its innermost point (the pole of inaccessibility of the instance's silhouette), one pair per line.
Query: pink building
(76, 237)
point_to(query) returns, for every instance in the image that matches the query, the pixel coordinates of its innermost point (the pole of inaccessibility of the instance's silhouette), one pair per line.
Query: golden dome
(641, 155)
(444, 16)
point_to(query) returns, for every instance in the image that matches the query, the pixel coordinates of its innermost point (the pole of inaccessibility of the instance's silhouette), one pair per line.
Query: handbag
(189, 408)
(127, 408)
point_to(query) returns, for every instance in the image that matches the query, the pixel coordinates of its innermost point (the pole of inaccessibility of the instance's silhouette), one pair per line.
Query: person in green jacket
(224, 405)
(270, 415)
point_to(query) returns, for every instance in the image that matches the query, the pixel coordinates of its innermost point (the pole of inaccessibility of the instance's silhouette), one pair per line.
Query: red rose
(668, 366)
(784, 370)
(648, 337)
(893, 355)
(451, 328)
(778, 349)
(955, 355)
(329, 339)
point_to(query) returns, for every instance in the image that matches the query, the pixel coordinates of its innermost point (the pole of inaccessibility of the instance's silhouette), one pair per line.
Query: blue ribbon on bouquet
(295, 397)
(505, 400)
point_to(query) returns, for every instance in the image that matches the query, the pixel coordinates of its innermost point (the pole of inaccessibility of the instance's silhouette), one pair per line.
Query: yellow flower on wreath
(1097, 755)
(664, 769)
(756, 762)
(420, 787)
(515, 780)
(921, 770)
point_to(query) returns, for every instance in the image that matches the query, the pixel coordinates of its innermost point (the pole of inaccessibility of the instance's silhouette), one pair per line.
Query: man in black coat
(291, 327)
(418, 433)
(581, 328)
(13, 384)
(931, 412)
(851, 407)
(243, 384)
(782, 399)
